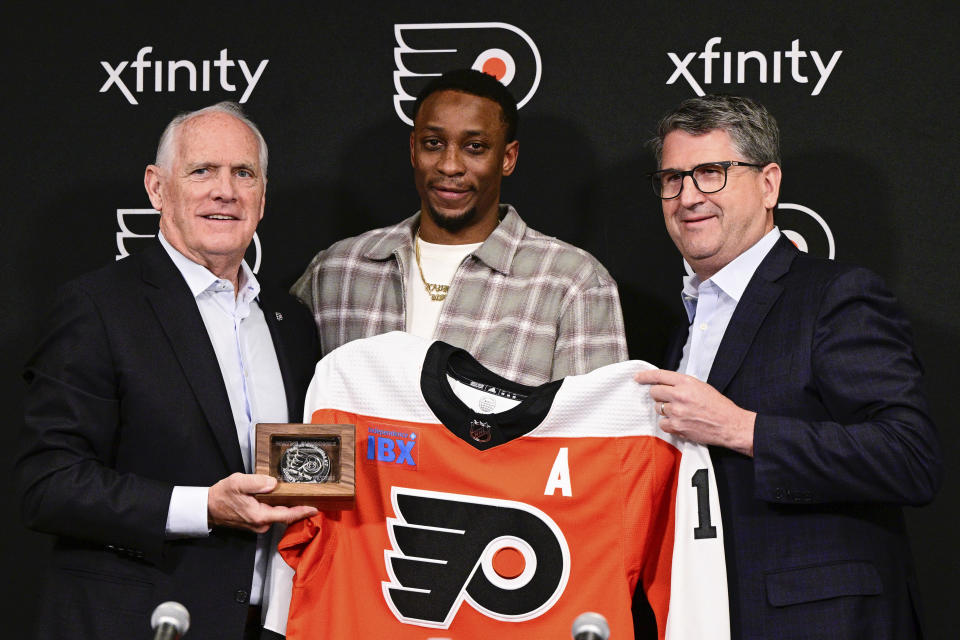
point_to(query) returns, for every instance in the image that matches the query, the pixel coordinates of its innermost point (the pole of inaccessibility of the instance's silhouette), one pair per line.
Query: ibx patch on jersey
(392, 445)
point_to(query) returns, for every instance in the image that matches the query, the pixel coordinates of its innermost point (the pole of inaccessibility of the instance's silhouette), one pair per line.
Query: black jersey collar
(443, 359)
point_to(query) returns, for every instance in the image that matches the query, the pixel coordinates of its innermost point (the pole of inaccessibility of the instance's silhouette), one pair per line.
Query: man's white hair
(165, 148)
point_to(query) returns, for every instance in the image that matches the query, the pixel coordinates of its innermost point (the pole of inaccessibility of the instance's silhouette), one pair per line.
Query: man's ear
(263, 200)
(151, 182)
(770, 176)
(510, 155)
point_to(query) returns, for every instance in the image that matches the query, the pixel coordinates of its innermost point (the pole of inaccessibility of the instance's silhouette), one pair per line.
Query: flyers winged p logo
(805, 228)
(497, 48)
(508, 560)
(144, 228)
(138, 228)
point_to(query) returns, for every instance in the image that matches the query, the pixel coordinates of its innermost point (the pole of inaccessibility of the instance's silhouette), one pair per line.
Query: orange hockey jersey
(486, 508)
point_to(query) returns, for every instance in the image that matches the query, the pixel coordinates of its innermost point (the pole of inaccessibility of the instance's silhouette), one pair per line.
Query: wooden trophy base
(322, 454)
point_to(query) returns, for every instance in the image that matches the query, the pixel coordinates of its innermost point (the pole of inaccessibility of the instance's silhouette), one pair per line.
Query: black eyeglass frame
(726, 164)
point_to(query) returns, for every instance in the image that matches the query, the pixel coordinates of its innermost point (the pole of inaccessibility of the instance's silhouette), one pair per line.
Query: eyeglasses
(708, 177)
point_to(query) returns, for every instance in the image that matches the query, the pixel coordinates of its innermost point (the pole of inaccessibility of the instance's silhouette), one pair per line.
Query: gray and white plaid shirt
(527, 306)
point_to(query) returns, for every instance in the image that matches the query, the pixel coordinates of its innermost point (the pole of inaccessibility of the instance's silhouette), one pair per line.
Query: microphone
(170, 620)
(590, 626)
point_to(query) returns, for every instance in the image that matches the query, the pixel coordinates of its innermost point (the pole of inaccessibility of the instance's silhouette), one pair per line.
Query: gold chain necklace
(437, 292)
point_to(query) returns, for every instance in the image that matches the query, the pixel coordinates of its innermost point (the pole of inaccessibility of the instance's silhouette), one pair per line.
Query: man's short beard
(453, 224)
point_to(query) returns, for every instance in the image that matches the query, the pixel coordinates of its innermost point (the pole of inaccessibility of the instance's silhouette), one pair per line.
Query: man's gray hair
(751, 128)
(167, 138)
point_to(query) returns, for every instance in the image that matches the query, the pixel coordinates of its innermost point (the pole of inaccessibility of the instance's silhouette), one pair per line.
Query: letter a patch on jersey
(508, 560)
(559, 477)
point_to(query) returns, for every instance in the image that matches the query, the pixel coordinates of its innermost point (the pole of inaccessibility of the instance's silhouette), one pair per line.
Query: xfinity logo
(755, 64)
(166, 74)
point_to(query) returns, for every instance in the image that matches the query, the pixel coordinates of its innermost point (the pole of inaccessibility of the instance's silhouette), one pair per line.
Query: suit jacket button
(241, 596)
(778, 494)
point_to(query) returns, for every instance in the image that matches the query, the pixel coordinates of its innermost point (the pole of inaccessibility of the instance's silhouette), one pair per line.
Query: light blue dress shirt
(251, 374)
(710, 305)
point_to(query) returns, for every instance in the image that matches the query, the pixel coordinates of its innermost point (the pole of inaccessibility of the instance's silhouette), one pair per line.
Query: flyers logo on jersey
(508, 560)
(497, 48)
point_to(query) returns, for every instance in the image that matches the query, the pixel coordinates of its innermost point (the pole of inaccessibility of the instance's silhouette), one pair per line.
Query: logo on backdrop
(137, 227)
(802, 226)
(497, 48)
(728, 67)
(143, 74)
(805, 228)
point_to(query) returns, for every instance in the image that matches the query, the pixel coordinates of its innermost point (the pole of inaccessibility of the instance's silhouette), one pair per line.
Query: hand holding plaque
(313, 464)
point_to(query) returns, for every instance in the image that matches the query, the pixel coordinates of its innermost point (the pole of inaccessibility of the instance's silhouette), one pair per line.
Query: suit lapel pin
(278, 315)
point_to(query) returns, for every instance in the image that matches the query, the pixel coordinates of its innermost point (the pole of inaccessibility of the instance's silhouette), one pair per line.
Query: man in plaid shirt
(466, 269)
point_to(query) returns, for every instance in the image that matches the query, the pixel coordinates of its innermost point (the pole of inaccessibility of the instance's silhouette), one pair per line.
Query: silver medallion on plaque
(304, 461)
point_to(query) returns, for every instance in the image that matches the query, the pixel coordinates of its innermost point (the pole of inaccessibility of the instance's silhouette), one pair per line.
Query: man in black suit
(137, 448)
(801, 376)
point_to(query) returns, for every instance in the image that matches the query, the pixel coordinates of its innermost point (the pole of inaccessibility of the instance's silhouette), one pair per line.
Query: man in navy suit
(801, 375)
(137, 448)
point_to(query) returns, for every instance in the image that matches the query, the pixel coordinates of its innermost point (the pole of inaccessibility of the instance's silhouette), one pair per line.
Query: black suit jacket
(125, 401)
(814, 533)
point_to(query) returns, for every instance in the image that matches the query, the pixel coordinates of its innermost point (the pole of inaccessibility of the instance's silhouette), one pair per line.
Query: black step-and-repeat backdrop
(866, 96)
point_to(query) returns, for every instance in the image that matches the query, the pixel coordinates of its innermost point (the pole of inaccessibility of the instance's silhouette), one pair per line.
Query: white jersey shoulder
(604, 403)
(391, 363)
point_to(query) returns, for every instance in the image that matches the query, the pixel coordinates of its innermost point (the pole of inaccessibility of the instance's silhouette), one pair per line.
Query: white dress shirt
(710, 305)
(251, 374)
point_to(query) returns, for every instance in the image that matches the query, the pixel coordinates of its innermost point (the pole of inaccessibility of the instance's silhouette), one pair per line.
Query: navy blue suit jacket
(814, 532)
(126, 400)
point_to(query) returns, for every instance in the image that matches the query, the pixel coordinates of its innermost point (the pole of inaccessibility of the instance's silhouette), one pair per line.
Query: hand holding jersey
(694, 410)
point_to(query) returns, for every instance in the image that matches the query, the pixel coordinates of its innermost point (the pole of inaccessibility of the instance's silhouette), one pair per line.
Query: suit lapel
(675, 346)
(177, 313)
(759, 296)
(275, 324)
